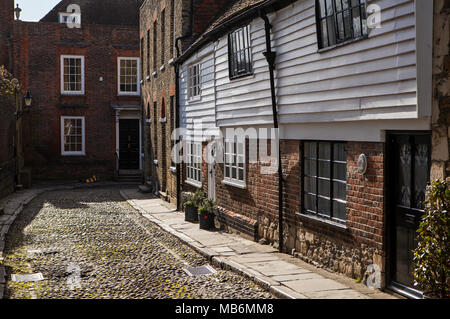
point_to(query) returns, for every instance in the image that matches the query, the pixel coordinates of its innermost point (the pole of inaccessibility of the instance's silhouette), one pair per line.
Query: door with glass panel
(409, 173)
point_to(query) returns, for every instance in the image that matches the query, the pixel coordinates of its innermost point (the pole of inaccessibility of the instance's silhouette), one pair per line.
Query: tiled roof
(110, 12)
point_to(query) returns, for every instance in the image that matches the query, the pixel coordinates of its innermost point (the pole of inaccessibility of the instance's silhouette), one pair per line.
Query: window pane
(310, 167)
(339, 190)
(310, 184)
(310, 149)
(324, 169)
(339, 210)
(310, 202)
(241, 174)
(324, 151)
(340, 152)
(324, 187)
(324, 206)
(340, 171)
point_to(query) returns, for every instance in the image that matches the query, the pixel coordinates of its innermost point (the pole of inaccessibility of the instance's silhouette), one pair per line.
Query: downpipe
(270, 57)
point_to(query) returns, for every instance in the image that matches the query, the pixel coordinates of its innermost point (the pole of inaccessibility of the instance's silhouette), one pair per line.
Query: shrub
(8, 84)
(432, 255)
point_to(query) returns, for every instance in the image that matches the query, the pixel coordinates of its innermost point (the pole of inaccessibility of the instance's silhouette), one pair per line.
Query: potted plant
(193, 200)
(206, 214)
(190, 209)
(432, 255)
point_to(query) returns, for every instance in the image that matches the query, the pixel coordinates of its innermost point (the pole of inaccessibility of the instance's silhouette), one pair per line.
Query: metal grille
(199, 271)
(239, 52)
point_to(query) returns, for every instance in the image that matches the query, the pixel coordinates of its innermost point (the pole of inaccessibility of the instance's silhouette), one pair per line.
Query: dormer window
(68, 17)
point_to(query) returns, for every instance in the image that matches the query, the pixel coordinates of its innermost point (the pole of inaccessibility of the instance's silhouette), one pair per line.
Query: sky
(34, 10)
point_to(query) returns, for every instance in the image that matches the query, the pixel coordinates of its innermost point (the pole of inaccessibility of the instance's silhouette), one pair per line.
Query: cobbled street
(94, 235)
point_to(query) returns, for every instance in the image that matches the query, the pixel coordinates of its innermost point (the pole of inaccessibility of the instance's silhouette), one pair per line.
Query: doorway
(408, 168)
(129, 144)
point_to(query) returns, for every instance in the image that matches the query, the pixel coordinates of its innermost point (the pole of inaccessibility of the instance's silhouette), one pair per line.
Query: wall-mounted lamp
(17, 11)
(362, 164)
(28, 101)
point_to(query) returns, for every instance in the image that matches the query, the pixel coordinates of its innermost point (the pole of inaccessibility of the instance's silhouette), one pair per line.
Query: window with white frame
(193, 81)
(194, 163)
(234, 162)
(72, 74)
(128, 76)
(72, 136)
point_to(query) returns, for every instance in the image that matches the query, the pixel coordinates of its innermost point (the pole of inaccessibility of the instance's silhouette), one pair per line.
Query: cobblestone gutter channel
(90, 243)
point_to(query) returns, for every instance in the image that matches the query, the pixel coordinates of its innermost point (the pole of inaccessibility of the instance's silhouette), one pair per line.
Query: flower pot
(206, 221)
(190, 214)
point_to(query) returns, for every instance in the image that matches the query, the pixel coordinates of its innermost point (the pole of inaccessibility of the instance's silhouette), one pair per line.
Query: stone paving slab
(254, 261)
(314, 285)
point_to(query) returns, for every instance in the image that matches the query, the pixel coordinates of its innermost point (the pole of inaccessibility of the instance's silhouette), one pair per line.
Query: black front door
(409, 160)
(129, 144)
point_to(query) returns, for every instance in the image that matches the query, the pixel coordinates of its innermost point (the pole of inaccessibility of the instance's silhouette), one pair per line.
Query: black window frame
(351, 37)
(331, 180)
(233, 66)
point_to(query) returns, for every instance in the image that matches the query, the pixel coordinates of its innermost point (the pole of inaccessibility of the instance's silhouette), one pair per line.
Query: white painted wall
(374, 79)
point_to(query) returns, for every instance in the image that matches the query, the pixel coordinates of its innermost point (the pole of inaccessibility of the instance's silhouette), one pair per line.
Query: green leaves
(432, 255)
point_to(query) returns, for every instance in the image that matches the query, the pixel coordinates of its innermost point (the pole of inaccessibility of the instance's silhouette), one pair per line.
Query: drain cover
(199, 271)
(28, 277)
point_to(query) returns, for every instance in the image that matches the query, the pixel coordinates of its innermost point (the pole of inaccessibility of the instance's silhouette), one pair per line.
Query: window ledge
(322, 220)
(173, 169)
(342, 44)
(155, 162)
(194, 99)
(74, 154)
(72, 93)
(148, 78)
(162, 120)
(171, 61)
(128, 94)
(162, 68)
(234, 184)
(194, 183)
(242, 76)
(155, 74)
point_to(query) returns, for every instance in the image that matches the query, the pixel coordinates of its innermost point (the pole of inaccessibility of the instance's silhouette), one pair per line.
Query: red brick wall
(205, 11)
(6, 20)
(37, 50)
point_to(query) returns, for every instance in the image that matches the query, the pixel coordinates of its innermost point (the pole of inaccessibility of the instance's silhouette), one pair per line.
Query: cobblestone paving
(119, 253)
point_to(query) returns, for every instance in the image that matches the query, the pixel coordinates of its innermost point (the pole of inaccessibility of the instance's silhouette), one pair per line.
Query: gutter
(270, 57)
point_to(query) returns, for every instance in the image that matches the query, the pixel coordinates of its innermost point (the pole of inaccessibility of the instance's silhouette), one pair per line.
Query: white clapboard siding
(201, 110)
(367, 80)
(371, 79)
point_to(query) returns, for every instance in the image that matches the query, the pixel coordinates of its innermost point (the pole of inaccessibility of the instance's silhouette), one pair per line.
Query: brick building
(85, 117)
(9, 149)
(167, 27)
(359, 140)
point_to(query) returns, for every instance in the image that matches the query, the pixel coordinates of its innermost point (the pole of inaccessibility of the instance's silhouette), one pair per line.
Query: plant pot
(191, 214)
(206, 221)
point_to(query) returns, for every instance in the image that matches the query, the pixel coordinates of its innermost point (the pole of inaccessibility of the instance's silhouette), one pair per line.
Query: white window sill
(194, 99)
(74, 154)
(162, 68)
(322, 220)
(194, 183)
(155, 162)
(148, 78)
(173, 169)
(234, 184)
(72, 93)
(163, 120)
(128, 94)
(171, 61)
(148, 121)
(155, 74)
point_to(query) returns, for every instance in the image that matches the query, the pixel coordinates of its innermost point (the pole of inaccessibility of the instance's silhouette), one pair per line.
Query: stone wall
(441, 91)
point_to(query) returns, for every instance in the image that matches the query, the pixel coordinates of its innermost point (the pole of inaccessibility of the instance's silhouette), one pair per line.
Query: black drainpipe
(270, 56)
